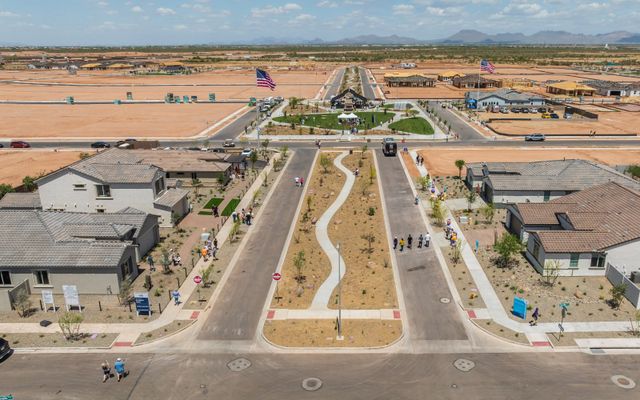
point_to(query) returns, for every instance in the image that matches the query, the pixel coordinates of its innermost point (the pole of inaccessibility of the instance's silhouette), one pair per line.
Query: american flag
(485, 65)
(264, 80)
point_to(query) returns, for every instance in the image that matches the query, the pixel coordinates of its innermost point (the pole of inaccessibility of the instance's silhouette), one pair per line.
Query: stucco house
(110, 181)
(93, 251)
(583, 231)
(502, 98)
(505, 183)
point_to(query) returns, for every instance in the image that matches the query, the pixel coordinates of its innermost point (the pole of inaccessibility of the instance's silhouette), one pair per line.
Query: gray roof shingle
(20, 201)
(171, 197)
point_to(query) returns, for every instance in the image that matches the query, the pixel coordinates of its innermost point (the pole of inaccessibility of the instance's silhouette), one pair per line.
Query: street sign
(142, 303)
(197, 279)
(561, 327)
(276, 276)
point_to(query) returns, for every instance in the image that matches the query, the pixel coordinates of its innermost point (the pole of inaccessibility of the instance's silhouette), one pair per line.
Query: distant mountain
(378, 40)
(543, 37)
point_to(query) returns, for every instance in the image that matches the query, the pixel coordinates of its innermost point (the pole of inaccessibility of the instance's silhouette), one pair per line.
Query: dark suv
(4, 349)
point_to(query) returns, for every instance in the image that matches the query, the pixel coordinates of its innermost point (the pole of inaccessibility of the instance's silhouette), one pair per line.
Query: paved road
(335, 85)
(235, 128)
(237, 311)
(458, 126)
(421, 278)
(367, 89)
(519, 376)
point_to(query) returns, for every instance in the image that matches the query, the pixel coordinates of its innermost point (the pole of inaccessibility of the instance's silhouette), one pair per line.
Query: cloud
(592, 6)
(8, 14)
(165, 11)
(103, 4)
(402, 9)
(271, 10)
(180, 27)
(327, 4)
(136, 9)
(444, 11)
(302, 18)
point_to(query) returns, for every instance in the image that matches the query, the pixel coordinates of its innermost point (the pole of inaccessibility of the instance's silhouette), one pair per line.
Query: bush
(372, 211)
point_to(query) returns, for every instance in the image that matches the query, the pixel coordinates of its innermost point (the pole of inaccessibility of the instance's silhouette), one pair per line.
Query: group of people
(423, 240)
(245, 216)
(210, 249)
(299, 181)
(175, 258)
(121, 372)
(419, 160)
(450, 234)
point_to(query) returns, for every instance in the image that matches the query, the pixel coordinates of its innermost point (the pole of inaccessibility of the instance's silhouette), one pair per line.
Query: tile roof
(474, 78)
(506, 94)
(171, 197)
(599, 218)
(183, 161)
(539, 213)
(553, 175)
(20, 201)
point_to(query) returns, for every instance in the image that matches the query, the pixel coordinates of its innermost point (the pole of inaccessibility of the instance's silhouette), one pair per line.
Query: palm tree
(459, 165)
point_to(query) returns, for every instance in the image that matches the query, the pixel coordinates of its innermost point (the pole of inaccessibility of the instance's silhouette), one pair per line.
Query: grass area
(417, 125)
(205, 212)
(230, 208)
(215, 201)
(368, 119)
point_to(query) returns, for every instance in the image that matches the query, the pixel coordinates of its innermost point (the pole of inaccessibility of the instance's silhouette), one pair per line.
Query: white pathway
(323, 294)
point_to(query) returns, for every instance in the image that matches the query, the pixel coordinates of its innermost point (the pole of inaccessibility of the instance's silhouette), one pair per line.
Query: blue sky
(110, 22)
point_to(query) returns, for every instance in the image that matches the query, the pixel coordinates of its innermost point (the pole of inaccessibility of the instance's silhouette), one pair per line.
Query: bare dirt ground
(16, 164)
(441, 161)
(166, 330)
(30, 340)
(110, 121)
(322, 333)
(568, 338)
(368, 281)
(499, 330)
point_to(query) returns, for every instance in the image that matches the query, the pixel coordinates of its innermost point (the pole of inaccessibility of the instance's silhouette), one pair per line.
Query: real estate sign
(142, 303)
(71, 297)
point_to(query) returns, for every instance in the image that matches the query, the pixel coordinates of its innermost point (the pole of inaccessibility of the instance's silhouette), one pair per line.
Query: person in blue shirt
(119, 367)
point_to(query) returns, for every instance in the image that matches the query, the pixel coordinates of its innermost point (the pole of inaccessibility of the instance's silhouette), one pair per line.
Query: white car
(246, 152)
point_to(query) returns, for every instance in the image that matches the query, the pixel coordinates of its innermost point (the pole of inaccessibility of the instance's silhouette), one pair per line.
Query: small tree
(235, 228)
(456, 253)
(634, 170)
(309, 202)
(364, 187)
(205, 274)
(299, 262)
(165, 260)
(507, 247)
(5, 188)
(363, 150)
(125, 292)
(293, 102)
(22, 303)
(551, 271)
(197, 184)
(69, 323)
(370, 238)
(265, 148)
(83, 155)
(253, 157)
(372, 174)
(29, 183)
(471, 197)
(325, 162)
(617, 294)
(255, 196)
(423, 181)
(489, 212)
(413, 113)
(459, 165)
(437, 211)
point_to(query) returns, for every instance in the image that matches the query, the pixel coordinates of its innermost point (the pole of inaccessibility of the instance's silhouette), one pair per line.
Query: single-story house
(174, 68)
(475, 81)
(502, 97)
(610, 88)
(96, 252)
(448, 76)
(187, 164)
(351, 97)
(570, 88)
(583, 231)
(504, 183)
(408, 80)
(21, 201)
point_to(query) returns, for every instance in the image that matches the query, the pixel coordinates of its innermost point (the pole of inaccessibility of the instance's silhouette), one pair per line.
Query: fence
(616, 277)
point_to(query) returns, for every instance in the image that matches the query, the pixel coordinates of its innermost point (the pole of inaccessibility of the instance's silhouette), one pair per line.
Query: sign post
(198, 280)
(47, 298)
(143, 306)
(564, 308)
(71, 297)
(276, 276)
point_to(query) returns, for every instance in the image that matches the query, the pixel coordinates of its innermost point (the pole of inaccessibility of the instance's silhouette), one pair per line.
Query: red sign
(197, 279)
(276, 276)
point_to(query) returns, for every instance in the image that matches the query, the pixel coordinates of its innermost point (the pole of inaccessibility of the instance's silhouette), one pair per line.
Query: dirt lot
(322, 333)
(368, 281)
(110, 121)
(16, 164)
(166, 330)
(441, 161)
(608, 123)
(30, 340)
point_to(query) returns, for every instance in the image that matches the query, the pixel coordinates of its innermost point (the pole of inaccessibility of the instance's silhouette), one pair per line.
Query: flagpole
(478, 87)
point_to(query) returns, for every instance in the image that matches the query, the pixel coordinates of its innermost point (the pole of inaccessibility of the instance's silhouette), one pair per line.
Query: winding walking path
(322, 297)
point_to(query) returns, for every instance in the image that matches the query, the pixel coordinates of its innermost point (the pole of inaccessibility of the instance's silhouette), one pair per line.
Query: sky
(164, 22)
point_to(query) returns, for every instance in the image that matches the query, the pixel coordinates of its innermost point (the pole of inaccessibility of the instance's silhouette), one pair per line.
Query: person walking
(535, 316)
(106, 371)
(215, 242)
(120, 369)
(420, 241)
(216, 212)
(427, 239)
(301, 181)
(297, 181)
(409, 241)
(176, 297)
(395, 242)
(401, 244)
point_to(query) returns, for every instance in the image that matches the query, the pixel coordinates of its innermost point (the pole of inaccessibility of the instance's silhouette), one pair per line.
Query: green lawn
(330, 121)
(413, 125)
(215, 201)
(231, 206)
(203, 212)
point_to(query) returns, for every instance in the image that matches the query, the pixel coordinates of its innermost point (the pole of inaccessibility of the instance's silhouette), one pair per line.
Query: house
(349, 96)
(95, 252)
(570, 88)
(93, 66)
(20, 201)
(609, 88)
(504, 183)
(583, 231)
(502, 98)
(448, 76)
(121, 66)
(174, 68)
(475, 81)
(188, 164)
(111, 181)
(408, 80)
(633, 89)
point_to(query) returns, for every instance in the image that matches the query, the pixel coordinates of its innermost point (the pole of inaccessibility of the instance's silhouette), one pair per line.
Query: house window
(159, 185)
(5, 278)
(100, 210)
(79, 186)
(597, 260)
(547, 195)
(573, 261)
(126, 269)
(536, 250)
(103, 190)
(42, 277)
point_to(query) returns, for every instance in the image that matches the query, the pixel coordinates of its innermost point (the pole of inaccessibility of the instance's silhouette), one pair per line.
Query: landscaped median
(345, 208)
(417, 125)
(368, 119)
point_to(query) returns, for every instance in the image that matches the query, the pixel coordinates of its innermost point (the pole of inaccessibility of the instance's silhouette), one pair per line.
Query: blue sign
(142, 303)
(519, 307)
(9, 397)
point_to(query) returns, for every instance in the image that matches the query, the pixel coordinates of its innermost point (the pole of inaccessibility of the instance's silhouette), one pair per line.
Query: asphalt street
(367, 89)
(421, 277)
(458, 126)
(334, 85)
(519, 376)
(236, 127)
(238, 307)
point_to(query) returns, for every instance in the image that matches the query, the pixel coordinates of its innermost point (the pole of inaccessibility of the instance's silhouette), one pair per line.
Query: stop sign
(197, 279)
(276, 276)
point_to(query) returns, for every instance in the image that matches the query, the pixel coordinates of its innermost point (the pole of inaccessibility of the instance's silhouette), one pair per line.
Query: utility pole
(340, 337)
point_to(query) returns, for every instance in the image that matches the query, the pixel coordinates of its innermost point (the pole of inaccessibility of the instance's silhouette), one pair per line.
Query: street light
(340, 337)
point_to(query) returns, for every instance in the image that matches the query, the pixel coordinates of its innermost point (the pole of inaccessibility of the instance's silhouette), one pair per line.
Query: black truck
(389, 147)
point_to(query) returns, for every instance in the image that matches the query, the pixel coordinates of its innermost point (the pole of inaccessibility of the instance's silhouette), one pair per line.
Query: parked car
(533, 111)
(100, 145)
(567, 116)
(19, 144)
(5, 350)
(554, 116)
(542, 110)
(1, 145)
(229, 143)
(218, 150)
(525, 111)
(535, 137)
(128, 142)
(546, 115)
(504, 110)
(246, 152)
(515, 110)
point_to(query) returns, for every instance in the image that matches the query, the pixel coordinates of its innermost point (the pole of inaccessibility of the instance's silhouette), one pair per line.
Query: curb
(188, 325)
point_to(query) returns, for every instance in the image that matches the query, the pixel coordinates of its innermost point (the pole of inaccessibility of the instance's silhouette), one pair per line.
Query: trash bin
(350, 151)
